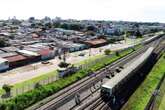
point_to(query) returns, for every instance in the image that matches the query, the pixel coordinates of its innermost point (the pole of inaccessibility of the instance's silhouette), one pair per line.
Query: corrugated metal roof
(28, 53)
(16, 58)
(2, 60)
(32, 49)
(9, 49)
(8, 54)
(38, 45)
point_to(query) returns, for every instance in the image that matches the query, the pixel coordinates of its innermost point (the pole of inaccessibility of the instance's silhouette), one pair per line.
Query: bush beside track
(27, 99)
(141, 97)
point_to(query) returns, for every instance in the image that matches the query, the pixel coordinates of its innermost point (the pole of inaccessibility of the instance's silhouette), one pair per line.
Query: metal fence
(27, 87)
(89, 64)
(50, 79)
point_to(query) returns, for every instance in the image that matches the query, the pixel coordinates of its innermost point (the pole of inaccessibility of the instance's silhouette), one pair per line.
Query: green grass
(101, 56)
(141, 96)
(27, 99)
(92, 58)
(31, 81)
(54, 73)
(132, 41)
(36, 79)
(162, 105)
(160, 99)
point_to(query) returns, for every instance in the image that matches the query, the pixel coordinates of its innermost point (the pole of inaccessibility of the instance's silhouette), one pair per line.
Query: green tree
(56, 24)
(138, 34)
(2, 42)
(91, 28)
(48, 25)
(63, 64)
(117, 53)
(107, 51)
(31, 19)
(64, 26)
(76, 27)
(7, 89)
(33, 25)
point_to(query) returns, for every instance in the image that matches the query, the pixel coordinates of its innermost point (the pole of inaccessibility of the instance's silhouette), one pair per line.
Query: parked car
(82, 54)
(45, 62)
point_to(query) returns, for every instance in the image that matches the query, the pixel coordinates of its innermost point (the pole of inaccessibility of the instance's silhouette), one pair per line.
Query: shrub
(133, 48)
(7, 88)
(117, 53)
(63, 64)
(38, 85)
(107, 52)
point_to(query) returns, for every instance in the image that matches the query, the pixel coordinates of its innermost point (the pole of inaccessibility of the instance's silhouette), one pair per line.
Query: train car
(152, 38)
(111, 88)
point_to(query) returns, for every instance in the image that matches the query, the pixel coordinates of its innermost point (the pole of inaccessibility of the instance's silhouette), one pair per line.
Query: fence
(27, 87)
(91, 63)
(50, 79)
(87, 64)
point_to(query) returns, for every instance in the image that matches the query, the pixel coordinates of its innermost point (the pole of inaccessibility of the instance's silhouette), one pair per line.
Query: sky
(124, 10)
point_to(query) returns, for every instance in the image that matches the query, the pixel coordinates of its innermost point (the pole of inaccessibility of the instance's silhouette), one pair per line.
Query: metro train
(152, 38)
(111, 88)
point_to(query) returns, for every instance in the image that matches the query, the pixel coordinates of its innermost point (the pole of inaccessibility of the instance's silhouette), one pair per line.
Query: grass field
(162, 105)
(32, 81)
(132, 41)
(141, 96)
(36, 79)
(92, 58)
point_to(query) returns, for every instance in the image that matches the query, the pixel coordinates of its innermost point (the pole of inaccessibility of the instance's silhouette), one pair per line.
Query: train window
(104, 90)
(112, 74)
(108, 76)
(6, 62)
(118, 70)
(121, 67)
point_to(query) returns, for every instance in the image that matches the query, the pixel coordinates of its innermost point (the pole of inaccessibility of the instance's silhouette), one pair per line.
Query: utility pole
(64, 57)
(125, 36)
(89, 51)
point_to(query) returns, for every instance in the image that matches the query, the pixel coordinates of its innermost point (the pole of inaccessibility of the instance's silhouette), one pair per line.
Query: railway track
(150, 105)
(69, 93)
(99, 104)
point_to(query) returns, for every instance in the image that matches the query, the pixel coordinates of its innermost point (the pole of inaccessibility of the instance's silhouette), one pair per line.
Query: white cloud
(134, 10)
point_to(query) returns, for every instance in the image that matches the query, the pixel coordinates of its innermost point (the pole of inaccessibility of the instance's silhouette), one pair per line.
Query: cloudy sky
(127, 10)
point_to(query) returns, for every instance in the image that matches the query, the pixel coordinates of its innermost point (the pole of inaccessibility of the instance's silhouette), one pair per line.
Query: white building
(4, 64)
